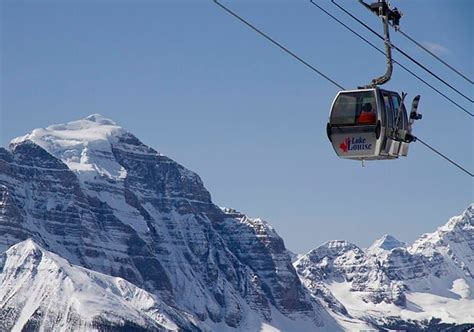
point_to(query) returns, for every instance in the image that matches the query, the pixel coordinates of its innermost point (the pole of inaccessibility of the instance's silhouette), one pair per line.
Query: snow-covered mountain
(390, 283)
(92, 193)
(42, 290)
(99, 231)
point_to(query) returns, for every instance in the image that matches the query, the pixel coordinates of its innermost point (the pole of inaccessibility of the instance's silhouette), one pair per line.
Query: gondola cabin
(368, 124)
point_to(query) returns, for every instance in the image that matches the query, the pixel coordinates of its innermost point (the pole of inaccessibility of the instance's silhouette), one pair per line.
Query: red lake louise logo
(354, 144)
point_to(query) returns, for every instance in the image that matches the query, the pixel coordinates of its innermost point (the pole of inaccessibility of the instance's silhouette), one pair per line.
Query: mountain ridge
(155, 226)
(94, 194)
(430, 277)
(50, 293)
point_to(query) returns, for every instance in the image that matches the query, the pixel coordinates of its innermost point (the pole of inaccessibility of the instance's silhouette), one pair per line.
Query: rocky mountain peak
(22, 249)
(326, 260)
(50, 293)
(92, 128)
(91, 193)
(458, 229)
(386, 242)
(432, 277)
(463, 222)
(332, 249)
(85, 145)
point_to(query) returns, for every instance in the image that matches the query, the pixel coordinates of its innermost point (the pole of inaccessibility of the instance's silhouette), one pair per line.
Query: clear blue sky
(202, 88)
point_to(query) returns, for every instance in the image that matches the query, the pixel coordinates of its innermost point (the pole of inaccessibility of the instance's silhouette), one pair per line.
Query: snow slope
(40, 290)
(392, 282)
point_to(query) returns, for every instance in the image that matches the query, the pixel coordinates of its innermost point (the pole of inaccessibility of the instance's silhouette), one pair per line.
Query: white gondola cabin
(370, 124)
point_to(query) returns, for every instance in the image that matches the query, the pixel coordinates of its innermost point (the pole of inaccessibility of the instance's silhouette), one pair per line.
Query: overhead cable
(395, 61)
(403, 53)
(443, 156)
(434, 55)
(321, 74)
(279, 45)
(420, 45)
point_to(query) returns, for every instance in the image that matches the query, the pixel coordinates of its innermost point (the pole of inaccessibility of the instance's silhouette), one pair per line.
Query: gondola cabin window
(390, 114)
(354, 108)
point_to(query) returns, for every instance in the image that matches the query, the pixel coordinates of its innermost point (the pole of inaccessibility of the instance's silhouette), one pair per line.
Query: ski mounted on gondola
(370, 123)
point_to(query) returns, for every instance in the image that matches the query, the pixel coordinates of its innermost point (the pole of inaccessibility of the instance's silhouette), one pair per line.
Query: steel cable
(435, 56)
(402, 52)
(444, 156)
(279, 45)
(395, 61)
(323, 75)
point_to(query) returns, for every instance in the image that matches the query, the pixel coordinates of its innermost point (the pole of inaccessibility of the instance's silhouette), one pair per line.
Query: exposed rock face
(257, 245)
(333, 260)
(454, 242)
(99, 231)
(94, 194)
